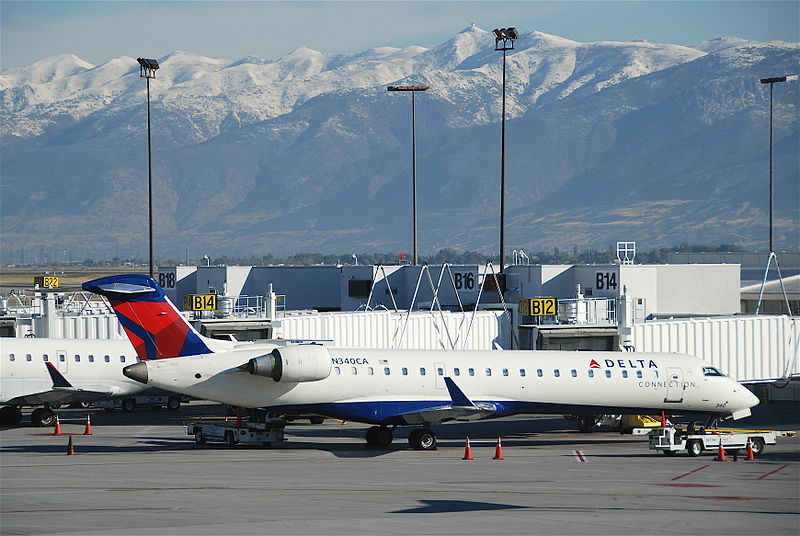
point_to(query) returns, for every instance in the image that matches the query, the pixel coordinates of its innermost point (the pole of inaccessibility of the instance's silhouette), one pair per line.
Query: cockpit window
(711, 371)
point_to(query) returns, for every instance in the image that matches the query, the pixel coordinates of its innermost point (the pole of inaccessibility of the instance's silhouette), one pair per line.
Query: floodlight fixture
(413, 90)
(507, 36)
(147, 67)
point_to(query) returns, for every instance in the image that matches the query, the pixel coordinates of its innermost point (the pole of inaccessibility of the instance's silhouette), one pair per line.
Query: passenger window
(337, 370)
(557, 373)
(472, 372)
(608, 374)
(456, 371)
(539, 372)
(488, 372)
(655, 372)
(624, 373)
(45, 358)
(122, 359)
(505, 372)
(638, 373)
(591, 373)
(405, 371)
(91, 358)
(440, 371)
(522, 372)
(353, 371)
(422, 371)
(28, 357)
(370, 371)
(107, 358)
(386, 370)
(11, 357)
(77, 358)
(62, 358)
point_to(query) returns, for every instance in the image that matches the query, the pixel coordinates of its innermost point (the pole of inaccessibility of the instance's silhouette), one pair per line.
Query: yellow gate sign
(200, 302)
(538, 306)
(46, 281)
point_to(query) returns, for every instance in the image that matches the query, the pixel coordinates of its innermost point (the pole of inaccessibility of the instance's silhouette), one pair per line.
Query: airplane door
(440, 373)
(674, 385)
(61, 361)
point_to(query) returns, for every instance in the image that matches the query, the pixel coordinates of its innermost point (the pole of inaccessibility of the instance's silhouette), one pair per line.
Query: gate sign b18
(538, 307)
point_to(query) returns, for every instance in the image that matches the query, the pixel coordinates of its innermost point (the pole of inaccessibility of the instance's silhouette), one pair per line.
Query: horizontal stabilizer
(125, 288)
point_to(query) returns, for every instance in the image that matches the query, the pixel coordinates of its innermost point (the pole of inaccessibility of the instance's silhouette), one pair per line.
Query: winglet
(458, 396)
(58, 379)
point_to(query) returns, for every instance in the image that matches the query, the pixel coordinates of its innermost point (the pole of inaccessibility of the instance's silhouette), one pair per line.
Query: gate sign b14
(200, 302)
(538, 306)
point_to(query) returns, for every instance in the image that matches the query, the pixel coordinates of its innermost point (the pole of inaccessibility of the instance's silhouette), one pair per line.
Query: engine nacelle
(303, 363)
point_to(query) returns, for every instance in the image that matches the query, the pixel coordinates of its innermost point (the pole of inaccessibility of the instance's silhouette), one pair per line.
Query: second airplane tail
(155, 327)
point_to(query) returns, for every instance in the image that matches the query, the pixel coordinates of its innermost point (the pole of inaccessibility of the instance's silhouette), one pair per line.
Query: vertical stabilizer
(155, 327)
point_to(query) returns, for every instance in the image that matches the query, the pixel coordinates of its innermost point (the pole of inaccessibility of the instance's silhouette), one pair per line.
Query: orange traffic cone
(498, 451)
(467, 452)
(663, 420)
(70, 448)
(88, 429)
(57, 430)
(721, 453)
(750, 454)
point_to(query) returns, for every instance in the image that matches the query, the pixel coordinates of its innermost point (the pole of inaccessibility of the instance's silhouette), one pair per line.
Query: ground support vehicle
(130, 404)
(671, 439)
(263, 431)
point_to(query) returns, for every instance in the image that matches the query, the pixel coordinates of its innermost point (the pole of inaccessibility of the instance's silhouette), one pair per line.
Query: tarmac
(139, 473)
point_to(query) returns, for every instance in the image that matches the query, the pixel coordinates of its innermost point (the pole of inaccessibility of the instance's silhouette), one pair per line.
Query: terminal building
(691, 306)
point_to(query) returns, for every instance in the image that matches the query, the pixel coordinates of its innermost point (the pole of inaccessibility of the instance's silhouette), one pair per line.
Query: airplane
(49, 372)
(390, 388)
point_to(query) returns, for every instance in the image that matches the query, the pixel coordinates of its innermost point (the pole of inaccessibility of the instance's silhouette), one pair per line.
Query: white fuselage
(368, 385)
(89, 365)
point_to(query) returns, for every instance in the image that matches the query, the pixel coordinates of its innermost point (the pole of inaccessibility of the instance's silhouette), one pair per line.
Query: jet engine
(302, 363)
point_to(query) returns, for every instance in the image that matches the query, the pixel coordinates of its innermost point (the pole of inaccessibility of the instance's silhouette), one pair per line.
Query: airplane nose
(137, 372)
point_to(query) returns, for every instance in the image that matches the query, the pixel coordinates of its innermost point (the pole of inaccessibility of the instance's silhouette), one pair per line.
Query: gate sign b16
(538, 306)
(200, 302)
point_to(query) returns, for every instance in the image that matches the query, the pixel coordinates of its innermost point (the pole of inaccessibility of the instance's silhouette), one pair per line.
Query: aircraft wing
(62, 387)
(461, 409)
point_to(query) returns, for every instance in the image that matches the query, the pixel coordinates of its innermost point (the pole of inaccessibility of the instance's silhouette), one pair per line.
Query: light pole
(413, 90)
(772, 81)
(503, 40)
(147, 70)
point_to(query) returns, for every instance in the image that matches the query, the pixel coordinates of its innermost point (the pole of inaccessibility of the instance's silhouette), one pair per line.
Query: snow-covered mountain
(606, 141)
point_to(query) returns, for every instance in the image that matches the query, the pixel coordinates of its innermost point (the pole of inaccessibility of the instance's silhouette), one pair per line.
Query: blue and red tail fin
(153, 324)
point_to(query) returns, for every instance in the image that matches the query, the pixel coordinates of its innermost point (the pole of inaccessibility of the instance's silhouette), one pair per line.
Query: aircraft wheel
(129, 405)
(379, 436)
(173, 404)
(10, 416)
(427, 439)
(316, 420)
(42, 417)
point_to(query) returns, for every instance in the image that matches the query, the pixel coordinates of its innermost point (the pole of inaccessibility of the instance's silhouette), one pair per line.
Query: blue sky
(100, 30)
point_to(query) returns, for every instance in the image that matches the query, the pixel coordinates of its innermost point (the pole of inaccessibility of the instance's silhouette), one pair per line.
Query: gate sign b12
(538, 306)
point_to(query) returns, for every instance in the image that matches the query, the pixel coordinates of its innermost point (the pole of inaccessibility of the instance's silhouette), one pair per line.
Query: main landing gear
(419, 439)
